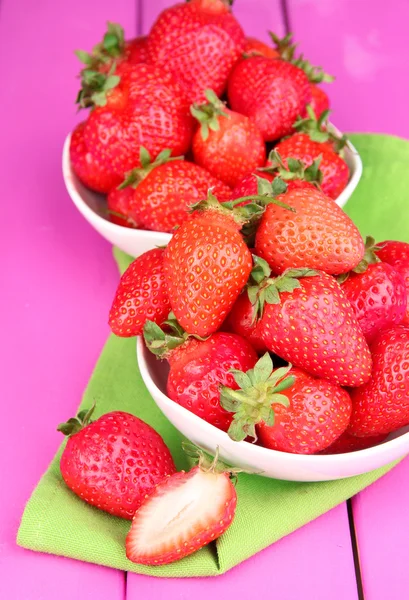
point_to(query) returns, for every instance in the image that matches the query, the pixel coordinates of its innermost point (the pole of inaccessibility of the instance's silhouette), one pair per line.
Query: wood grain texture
(60, 276)
(362, 43)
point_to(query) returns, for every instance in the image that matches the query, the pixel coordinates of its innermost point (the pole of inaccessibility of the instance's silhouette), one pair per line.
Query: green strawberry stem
(253, 403)
(286, 49)
(75, 424)
(369, 258)
(112, 46)
(95, 86)
(295, 169)
(317, 129)
(262, 288)
(161, 343)
(208, 113)
(135, 176)
(284, 46)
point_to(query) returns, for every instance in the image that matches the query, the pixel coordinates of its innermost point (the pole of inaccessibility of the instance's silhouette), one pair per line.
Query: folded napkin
(58, 522)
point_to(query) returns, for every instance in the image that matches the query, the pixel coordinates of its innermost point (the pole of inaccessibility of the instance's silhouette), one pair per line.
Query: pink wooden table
(58, 279)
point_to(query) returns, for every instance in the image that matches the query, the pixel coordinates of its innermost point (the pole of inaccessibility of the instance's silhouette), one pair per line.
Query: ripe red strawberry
(319, 100)
(184, 513)
(163, 191)
(113, 462)
(286, 409)
(141, 105)
(378, 296)
(207, 264)
(271, 92)
(227, 144)
(294, 174)
(88, 167)
(397, 254)
(198, 368)
(114, 50)
(255, 47)
(118, 201)
(350, 443)
(241, 320)
(198, 42)
(319, 235)
(141, 295)
(334, 169)
(307, 320)
(382, 404)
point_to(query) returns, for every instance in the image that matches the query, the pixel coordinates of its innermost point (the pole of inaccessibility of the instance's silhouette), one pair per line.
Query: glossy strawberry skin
(240, 321)
(234, 150)
(119, 207)
(318, 413)
(201, 533)
(114, 462)
(397, 254)
(350, 443)
(162, 200)
(319, 100)
(147, 108)
(136, 50)
(378, 297)
(257, 47)
(198, 42)
(334, 169)
(87, 166)
(198, 370)
(141, 295)
(206, 266)
(319, 235)
(273, 93)
(382, 404)
(315, 328)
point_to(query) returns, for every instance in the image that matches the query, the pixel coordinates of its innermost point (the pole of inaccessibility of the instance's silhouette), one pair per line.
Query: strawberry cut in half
(185, 512)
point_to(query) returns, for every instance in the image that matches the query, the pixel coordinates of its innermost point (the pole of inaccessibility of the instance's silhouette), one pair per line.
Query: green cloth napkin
(56, 521)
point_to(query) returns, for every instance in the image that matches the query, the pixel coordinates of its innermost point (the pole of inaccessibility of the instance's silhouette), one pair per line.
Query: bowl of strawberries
(161, 131)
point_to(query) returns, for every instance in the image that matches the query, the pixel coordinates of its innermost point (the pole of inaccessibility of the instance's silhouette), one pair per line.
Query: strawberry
(319, 235)
(254, 47)
(397, 254)
(141, 295)
(162, 191)
(377, 293)
(184, 513)
(306, 319)
(207, 264)
(227, 144)
(271, 92)
(199, 367)
(319, 100)
(312, 141)
(241, 320)
(118, 201)
(88, 167)
(286, 409)
(113, 462)
(382, 404)
(294, 174)
(141, 105)
(350, 443)
(198, 42)
(114, 50)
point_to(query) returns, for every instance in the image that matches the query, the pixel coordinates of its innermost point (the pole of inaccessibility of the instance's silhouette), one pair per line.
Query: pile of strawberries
(197, 87)
(281, 326)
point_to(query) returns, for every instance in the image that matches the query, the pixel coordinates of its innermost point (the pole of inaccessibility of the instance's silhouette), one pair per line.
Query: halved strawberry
(184, 513)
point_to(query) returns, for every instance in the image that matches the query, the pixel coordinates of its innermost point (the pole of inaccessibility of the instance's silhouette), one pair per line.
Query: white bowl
(252, 458)
(93, 206)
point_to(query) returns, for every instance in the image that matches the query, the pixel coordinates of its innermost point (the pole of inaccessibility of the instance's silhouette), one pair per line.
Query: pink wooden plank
(381, 520)
(364, 44)
(313, 563)
(60, 277)
(256, 17)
